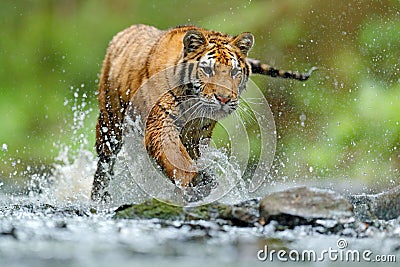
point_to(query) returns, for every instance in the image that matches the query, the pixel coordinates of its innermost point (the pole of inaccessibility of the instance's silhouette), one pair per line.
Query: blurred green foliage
(349, 109)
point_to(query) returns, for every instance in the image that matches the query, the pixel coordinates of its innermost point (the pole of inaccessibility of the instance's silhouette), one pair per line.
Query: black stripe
(173, 94)
(189, 89)
(197, 73)
(246, 70)
(211, 53)
(191, 66)
(182, 74)
(195, 56)
(190, 71)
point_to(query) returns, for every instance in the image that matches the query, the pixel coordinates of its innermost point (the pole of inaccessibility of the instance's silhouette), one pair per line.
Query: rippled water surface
(34, 233)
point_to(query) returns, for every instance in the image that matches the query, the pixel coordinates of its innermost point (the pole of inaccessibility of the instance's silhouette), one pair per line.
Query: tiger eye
(235, 72)
(207, 70)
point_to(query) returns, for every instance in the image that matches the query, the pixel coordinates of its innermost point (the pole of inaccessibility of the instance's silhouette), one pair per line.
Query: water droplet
(303, 118)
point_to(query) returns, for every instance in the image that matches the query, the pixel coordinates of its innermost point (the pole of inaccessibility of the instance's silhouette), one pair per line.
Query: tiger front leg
(163, 143)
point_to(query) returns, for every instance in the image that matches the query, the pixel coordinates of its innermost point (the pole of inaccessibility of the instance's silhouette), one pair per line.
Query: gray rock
(304, 205)
(243, 214)
(384, 206)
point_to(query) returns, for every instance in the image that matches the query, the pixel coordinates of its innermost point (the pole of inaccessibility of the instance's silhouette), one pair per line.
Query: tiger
(162, 75)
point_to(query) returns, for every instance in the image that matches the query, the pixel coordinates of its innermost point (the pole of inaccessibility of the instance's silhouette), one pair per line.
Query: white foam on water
(72, 181)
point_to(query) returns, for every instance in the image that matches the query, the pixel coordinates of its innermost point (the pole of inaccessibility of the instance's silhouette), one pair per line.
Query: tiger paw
(200, 187)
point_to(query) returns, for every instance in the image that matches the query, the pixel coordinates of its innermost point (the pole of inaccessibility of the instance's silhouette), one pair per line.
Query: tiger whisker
(245, 114)
(196, 106)
(250, 100)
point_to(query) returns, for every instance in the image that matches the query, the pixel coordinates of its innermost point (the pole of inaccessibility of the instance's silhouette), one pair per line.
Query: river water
(33, 233)
(38, 230)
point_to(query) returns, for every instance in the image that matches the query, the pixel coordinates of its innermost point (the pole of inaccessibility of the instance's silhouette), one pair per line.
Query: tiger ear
(244, 42)
(192, 40)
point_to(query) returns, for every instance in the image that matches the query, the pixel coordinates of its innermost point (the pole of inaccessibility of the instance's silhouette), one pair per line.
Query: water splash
(69, 181)
(142, 178)
(135, 178)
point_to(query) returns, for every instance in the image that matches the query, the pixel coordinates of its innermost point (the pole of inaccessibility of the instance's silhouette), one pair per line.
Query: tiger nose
(222, 98)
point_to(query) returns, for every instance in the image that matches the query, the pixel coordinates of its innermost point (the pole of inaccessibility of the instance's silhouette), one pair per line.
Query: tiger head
(217, 67)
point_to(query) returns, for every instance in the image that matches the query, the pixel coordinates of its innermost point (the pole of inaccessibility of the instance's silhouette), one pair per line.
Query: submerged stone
(150, 209)
(303, 205)
(384, 206)
(240, 215)
(326, 210)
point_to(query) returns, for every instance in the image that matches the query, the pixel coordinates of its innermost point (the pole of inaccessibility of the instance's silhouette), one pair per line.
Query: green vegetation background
(343, 122)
